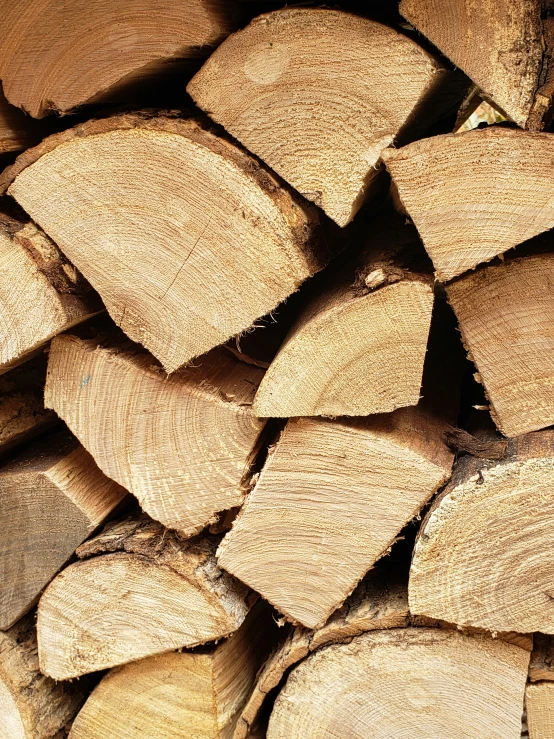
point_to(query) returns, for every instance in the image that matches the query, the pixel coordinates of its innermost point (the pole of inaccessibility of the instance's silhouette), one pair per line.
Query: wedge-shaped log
(505, 46)
(539, 702)
(44, 70)
(139, 590)
(320, 118)
(41, 294)
(198, 694)
(506, 316)
(463, 196)
(32, 706)
(181, 444)
(377, 603)
(358, 347)
(186, 237)
(53, 497)
(419, 683)
(22, 411)
(329, 502)
(482, 557)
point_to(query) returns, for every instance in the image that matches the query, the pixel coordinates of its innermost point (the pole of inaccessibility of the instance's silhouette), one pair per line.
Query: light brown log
(183, 445)
(330, 500)
(505, 46)
(139, 590)
(319, 115)
(377, 603)
(358, 347)
(541, 666)
(55, 57)
(196, 694)
(32, 706)
(185, 236)
(475, 195)
(22, 411)
(53, 497)
(506, 317)
(483, 556)
(539, 701)
(421, 683)
(41, 294)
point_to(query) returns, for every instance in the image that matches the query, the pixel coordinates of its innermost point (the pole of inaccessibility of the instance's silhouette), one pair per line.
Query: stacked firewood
(276, 370)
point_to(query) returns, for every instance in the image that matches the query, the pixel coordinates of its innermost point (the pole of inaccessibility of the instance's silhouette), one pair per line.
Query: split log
(139, 590)
(151, 210)
(405, 682)
(320, 117)
(505, 47)
(41, 294)
(45, 70)
(463, 196)
(539, 701)
(377, 603)
(53, 497)
(22, 411)
(541, 666)
(183, 445)
(506, 317)
(196, 694)
(330, 500)
(32, 706)
(482, 557)
(358, 347)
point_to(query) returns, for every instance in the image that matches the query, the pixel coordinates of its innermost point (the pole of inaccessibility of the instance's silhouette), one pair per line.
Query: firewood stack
(276, 370)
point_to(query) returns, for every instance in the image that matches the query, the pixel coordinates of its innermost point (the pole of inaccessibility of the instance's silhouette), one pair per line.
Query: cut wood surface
(139, 590)
(199, 693)
(541, 666)
(505, 46)
(22, 411)
(32, 706)
(185, 236)
(41, 294)
(183, 445)
(506, 317)
(421, 683)
(377, 603)
(539, 701)
(483, 556)
(331, 499)
(358, 347)
(53, 497)
(475, 195)
(56, 56)
(318, 94)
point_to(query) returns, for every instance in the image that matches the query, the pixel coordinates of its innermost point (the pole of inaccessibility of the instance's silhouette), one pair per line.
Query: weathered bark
(163, 204)
(541, 666)
(183, 444)
(347, 105)
(139, 590)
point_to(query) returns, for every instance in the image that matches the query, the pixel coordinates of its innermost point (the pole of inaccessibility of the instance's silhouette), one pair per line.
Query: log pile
(276, 370)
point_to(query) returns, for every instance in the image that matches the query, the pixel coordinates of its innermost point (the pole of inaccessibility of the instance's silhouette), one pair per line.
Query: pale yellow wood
(330, 500)
(358, 347)
(193, 694)
(476, 194)
(500, 44)
(32, 706)
(53, 496)
(185, 236)
(483, 556)
(56, 56)
(41, 295)
(317, 94)
(182, 444)
(539, 701)
(140, 590)
(417, 683)
(506, 316)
